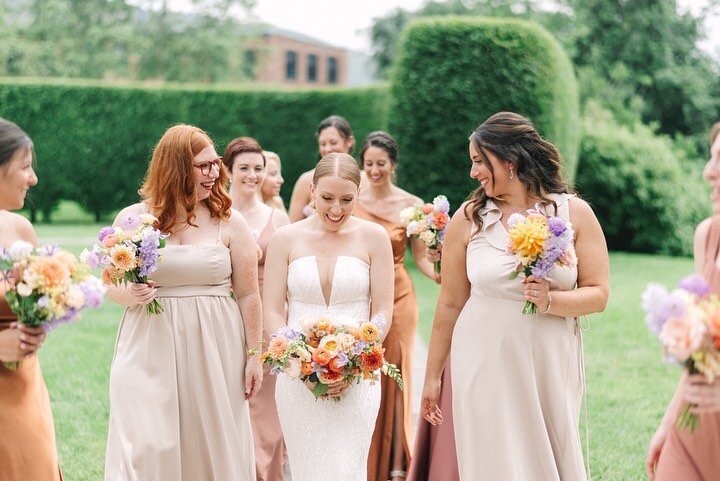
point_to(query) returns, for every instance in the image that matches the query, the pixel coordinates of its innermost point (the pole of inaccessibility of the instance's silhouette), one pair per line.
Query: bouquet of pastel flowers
(540, 243)
(128, 252)
(48, 287)
(428, 222)
(686, 320)
(325, 351)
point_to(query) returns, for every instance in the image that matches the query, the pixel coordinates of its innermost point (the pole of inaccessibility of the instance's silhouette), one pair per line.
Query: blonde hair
(272, 156)
(342, 165)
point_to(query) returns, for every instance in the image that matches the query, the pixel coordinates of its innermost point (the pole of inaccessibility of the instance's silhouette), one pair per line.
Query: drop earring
(512, 173)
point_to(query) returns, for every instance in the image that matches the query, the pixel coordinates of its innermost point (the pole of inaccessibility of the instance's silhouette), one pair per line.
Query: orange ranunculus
(428, 208)
(307, 368)
(369, 332)
(333, 365)
(313, 339)
(441, 219)
(373, 360)
(321, 356)
(329, 377)
(323, 324)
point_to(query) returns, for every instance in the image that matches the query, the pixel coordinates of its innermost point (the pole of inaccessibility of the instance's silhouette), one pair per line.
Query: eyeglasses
(206, 167)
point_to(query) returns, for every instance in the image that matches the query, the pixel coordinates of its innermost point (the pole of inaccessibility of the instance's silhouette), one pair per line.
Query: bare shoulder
(280, 218)
(406, 198)
(306, 177)
(134, 209)
(24, 230)
(371, 230)
(286, 232)
(580, 211)
(237, 220)
(463, 214)
(703, 229)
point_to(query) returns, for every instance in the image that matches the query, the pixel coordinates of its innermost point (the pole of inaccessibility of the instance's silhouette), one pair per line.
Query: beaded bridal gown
(328, 440)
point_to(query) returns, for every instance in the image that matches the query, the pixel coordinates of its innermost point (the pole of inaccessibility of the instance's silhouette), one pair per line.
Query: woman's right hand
(434, 254)
(654, 449)
(18, 342)
(143, 294)
(430, 410)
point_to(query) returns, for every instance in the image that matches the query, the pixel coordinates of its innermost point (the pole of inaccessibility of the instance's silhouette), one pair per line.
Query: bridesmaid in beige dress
(270, 187)
(246, 163)
(180, 380)
(517, 380)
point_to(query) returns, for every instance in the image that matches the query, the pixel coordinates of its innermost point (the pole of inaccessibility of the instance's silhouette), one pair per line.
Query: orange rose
(333, 365)
(369, 332)
(441, 219)
(329, 377)
(307, 368)
(321, 356)
(373, 360)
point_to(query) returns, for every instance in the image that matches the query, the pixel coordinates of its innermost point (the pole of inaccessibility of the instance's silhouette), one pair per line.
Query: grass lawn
(627, 384)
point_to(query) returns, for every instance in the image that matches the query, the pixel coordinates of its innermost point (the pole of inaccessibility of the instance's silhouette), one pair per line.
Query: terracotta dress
(696, 456)
(267, 433)
(398, 350)
(27, 434)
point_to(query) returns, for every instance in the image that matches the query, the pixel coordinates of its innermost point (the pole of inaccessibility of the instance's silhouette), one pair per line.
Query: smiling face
(495, 182)
(331, 140)
(273, 180)
(248, 172)
(335, 200)
(206, 170)
(16, 177)
(712, 174)
(378, 166)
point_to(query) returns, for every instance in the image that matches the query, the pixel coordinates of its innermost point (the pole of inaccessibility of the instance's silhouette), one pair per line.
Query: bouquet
(540, 243)
(48, 286)
(428, 223)
(687, 323)
(324, 351)
(128, 253)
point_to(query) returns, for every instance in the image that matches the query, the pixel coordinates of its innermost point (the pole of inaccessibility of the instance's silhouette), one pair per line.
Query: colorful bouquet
(324, 352)
(540, 243)
(128, 253)
(48, 286)
(687, 322)
(428, 223)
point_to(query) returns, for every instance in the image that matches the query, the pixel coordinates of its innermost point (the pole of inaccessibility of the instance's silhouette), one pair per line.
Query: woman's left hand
(253, 376)
(537, 291)
(703, 394)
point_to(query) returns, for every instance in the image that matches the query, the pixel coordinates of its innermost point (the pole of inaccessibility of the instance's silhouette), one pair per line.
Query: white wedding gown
(327, 440)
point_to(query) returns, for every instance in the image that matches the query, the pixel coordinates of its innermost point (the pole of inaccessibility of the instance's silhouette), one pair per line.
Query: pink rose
(110, 240)
(683, 335)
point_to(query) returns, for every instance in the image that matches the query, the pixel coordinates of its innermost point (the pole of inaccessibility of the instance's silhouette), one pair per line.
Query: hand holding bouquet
(428, 222)
(687, 323)
(48, 287)
(128, 253)
(540, 243)
(324, 352)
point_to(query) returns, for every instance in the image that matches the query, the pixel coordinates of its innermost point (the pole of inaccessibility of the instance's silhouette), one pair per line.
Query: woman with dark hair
(333, 135)
(244, 159)
(517, 379)
(674, 454)
(180, 379)
(27, 439)
(381, 202)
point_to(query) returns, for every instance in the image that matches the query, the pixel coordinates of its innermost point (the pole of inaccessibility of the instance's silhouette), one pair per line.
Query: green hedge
(647, 196)
(453, 73)
(93, 141)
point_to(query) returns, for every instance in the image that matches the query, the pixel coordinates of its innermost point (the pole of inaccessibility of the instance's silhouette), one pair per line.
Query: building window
(290, 65)
(312, 68)
(332, 70)
(249, 64)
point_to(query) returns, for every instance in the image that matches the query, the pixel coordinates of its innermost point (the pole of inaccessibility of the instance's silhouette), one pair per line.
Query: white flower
(293, 368)
(406, 215)
(427, 238)
(75, 297)
(23, 289)
(441, 204)
(148, 219)
(412, 228)
(19, 250)
(347, 341)
(514, 219)
(331, 343)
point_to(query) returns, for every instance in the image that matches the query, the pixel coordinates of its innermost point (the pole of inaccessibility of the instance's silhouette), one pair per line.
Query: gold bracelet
(547, 309)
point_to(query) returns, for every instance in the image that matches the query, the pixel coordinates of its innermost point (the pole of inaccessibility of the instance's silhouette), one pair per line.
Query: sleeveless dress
(267, 433)
(517, 379)
(327, 440)
(177, 405)
(398, 345)
(27, 433)
(695, 456)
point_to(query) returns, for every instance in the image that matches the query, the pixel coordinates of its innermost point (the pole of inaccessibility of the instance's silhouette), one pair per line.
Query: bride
(337, 266)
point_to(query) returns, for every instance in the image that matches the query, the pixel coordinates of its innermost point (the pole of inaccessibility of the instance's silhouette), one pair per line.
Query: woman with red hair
(180, 380)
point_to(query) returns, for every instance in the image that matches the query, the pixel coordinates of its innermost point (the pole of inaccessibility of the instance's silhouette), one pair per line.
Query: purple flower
(317, 368)
(49, 250)
(288, 332)
(105, 231)
(359, 347)
(148, 252)
(276, 370)
(557, 226)
(94, 292)
(542, 268)
(343, 360)
(695, 284)
(43, 301)
(130, 222)
(441, 204)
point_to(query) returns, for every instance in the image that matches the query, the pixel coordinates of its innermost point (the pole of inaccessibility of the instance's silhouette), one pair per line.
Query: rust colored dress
(27, 433)
(696, 456)
(398, 346)
(267, 433)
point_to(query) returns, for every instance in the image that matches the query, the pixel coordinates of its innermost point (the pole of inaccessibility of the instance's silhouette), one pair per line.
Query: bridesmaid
(381, 202)
(333, 135)
(244, 160)
(680, 455)
(270, 187)
(179, 379)
(27, 433)
(517, 379)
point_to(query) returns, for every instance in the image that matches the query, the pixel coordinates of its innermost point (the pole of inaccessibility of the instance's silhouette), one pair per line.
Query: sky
(346, 23)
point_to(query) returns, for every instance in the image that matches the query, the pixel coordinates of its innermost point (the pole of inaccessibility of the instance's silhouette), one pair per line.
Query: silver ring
(535, 293)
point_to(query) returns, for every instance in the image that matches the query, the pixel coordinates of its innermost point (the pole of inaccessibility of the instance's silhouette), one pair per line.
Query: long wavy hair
(513, 139)
(169, 187)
